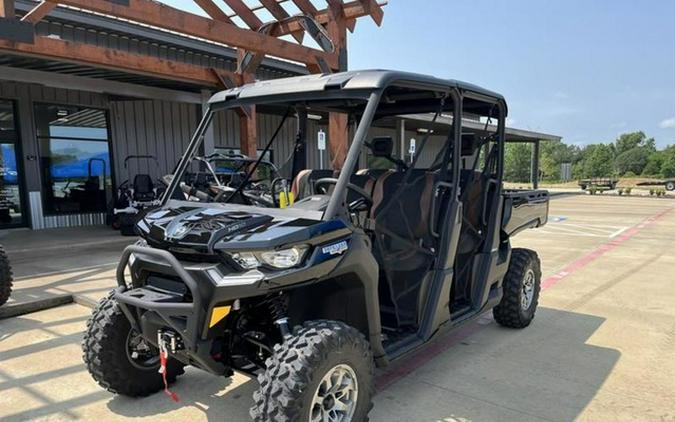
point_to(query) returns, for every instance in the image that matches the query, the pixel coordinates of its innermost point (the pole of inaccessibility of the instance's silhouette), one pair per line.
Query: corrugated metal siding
(159, 128)
(136, 45)
(40, 221)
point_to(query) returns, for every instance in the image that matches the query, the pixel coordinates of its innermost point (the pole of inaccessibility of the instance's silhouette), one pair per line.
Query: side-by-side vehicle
(351, 270)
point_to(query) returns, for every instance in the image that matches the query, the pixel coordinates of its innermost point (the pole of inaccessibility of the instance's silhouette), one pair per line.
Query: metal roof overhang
(117, 26)
(423, 121)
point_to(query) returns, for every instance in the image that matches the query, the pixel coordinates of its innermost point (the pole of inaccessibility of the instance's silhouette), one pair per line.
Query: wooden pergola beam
(306, 7)
(337, 7)
(351, 11)
(7, 9)
(214, 11)
(374, 10)
(37, 13)
(280, 14)
(87, 54)
(163, 16)
(246, 14)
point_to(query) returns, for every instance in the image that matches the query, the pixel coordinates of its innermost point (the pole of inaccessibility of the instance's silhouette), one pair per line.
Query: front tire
(670, 186)
(5, 277)
(324, 370)
(521, 288)
(108, 351)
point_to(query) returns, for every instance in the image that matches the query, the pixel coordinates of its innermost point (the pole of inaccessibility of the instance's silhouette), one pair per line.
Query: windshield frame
(337, 200)
(337, 206)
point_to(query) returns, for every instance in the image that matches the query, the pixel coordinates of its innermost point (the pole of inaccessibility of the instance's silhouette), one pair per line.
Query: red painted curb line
(420, 358)
(580, 263)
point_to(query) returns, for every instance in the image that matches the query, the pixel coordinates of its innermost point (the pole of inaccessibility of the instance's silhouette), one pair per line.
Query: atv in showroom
(366, 265)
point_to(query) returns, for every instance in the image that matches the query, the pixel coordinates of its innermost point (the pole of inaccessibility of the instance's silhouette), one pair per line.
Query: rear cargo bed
(524, 209)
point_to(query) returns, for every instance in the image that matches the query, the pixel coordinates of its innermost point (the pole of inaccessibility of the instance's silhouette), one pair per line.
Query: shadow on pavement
(548, 371)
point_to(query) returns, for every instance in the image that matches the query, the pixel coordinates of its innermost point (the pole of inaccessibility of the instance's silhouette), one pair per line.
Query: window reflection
(75, 158)
(10, 193)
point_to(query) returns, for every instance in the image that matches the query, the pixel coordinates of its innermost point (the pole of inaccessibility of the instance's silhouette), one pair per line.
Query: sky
(585, 70)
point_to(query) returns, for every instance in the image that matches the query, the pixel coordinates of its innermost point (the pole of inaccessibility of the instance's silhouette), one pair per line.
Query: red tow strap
(163, 358)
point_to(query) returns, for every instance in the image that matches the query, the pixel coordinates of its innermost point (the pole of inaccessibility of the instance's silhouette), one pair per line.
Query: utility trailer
(668, 184)
(606, 183)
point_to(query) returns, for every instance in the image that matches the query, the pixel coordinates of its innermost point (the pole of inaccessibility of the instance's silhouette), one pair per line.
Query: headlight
(247, 260)
(285, 258)
(281, 259)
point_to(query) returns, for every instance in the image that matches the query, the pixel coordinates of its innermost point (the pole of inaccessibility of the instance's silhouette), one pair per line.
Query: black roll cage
(337, 205)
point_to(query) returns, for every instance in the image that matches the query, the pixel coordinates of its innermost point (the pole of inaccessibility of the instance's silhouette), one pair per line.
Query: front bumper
(166, 310)
(208, 286)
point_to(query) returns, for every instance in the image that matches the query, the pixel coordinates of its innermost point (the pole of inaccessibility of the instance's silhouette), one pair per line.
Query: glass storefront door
(11, 177)
(75, 159)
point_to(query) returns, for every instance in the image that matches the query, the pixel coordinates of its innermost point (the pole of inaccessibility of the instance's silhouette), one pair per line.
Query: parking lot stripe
(427, 353)
(616, 240)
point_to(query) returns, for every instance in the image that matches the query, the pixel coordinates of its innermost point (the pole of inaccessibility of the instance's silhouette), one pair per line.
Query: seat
(402, 239)
(473, 186)
(303, 184)
(144, 189)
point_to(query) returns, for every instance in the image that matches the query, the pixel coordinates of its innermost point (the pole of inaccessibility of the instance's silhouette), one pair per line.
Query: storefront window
(10, 192)
(75, 158)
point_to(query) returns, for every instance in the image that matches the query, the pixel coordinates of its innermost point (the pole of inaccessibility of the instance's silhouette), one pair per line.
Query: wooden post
(7, 9)
(248, 133)
(338, 137)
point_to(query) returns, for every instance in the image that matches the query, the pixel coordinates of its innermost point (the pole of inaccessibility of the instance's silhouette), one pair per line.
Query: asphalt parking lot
(600, 348)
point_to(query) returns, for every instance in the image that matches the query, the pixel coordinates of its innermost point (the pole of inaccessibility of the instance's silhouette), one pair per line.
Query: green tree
(668, 165)
(633, 160)
(517, 162)
(654, 164)
(598, 161)
(552, 155)
(629, 141)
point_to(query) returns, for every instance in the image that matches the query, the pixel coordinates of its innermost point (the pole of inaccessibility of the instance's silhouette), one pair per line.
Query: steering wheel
(321, 187)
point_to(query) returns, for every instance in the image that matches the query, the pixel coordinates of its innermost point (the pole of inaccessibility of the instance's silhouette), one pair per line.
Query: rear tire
(521, 288)
(670, 186)
(301, 379)
(5, 277)
(106, 353)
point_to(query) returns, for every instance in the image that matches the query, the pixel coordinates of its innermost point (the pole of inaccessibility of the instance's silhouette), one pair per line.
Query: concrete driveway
(600, 348)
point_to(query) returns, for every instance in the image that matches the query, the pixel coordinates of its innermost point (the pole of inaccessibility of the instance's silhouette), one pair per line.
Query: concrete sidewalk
(55, 250)
(57, 265)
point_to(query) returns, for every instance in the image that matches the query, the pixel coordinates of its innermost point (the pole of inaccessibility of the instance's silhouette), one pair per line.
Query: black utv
(367, 264)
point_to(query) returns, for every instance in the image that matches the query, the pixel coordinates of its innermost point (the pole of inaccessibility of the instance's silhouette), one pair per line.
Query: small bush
(592, 190)
(620, 192)
(627, 191)
(652, 192)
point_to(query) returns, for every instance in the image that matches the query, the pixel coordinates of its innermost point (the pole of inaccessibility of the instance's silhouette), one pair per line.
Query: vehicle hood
(205, 230)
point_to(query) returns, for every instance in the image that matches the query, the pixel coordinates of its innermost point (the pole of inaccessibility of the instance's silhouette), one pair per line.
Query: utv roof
(352, 80)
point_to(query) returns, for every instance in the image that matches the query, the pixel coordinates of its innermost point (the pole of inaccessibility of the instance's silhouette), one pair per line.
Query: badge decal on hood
(335, 248)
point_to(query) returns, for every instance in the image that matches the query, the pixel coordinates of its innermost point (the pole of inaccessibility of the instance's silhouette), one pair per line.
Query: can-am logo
(336, 248)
